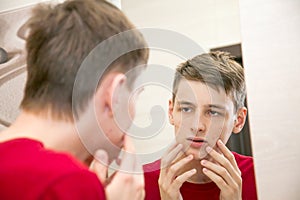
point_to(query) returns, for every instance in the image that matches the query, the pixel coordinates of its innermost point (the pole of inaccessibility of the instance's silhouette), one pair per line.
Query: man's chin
(198, 154)
(202, 154)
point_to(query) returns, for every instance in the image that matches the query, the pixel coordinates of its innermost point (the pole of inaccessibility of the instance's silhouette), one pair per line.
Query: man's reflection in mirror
(206, 108)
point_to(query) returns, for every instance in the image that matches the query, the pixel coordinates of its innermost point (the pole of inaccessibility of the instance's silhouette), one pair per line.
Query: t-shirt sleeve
(76, 186)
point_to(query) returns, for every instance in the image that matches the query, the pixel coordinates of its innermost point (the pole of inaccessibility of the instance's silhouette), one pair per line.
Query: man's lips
(196, 139)
(196, 142)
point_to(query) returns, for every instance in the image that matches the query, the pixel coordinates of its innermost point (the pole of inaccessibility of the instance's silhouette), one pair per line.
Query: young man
(45, 152)
(207, 106)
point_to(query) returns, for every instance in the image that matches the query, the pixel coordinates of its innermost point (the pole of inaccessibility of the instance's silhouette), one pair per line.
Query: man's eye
(213, 113)
(186, 110)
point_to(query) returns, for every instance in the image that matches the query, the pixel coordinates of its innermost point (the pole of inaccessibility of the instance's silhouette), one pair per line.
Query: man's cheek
(181, 133)
(213, 134)
(132, 109)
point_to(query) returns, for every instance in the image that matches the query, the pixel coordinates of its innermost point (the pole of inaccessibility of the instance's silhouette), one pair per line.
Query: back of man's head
(60, 38)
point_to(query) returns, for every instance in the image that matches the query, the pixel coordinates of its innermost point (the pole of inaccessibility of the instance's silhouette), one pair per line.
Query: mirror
(214, 25)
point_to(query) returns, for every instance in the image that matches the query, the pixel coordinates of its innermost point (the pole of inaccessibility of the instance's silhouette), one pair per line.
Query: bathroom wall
(270, 42)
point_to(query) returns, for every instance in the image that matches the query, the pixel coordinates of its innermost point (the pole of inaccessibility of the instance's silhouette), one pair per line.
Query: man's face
(123, 113)
(106, 120)
(201, 115)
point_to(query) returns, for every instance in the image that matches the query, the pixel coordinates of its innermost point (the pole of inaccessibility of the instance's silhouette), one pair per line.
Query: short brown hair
(60, 38)
(217, 69)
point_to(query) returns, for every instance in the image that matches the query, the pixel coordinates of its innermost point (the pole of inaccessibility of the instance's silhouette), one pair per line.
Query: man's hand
(170, 180)
(124, 184)
(225, 172)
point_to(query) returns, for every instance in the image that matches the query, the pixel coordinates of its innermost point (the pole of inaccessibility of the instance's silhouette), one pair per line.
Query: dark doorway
(240, 143)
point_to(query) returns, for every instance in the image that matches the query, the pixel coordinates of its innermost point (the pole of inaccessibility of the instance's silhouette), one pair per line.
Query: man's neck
(56, 135)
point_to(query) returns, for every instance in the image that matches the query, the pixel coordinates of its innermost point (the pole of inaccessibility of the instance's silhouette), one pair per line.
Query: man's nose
(199, 124)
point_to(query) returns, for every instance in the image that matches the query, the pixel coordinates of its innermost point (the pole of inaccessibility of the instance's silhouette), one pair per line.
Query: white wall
(210, 23)
(271, 49)
(12, 4)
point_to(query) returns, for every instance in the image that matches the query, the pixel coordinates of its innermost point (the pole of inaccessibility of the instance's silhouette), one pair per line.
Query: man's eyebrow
(216, 106)
(186, 103)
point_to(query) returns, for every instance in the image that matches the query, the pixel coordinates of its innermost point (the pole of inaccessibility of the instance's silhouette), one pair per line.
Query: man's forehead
(197, 92)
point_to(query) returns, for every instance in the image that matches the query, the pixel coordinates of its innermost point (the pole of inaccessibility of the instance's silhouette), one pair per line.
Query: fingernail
(220, 142)
(190, 157)
(204, 170)
(118, 161)
(101, 156)
(193, 171)
(203, 162)
(208, 149)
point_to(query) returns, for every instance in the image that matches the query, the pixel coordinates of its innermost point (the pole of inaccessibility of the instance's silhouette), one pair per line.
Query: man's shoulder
(245, 163)
(80, 184)
(24, 153)
(42, 171)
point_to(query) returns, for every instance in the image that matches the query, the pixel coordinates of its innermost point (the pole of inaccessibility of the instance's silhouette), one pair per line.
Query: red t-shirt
(29, 171)
(209, 191)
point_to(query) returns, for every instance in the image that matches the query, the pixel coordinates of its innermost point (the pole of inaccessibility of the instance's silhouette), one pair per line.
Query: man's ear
(240, 120)
(23, 31)
(170, 112)
(108, 92)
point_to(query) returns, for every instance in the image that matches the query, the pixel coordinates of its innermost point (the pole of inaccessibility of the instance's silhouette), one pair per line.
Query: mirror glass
(213, 25)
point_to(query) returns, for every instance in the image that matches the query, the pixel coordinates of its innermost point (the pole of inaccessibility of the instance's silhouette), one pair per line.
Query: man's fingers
(228, 155)
(172, 190)
(128, 145)
(172, 146)
(229, 170)
(139, 173)
(110, 178)
(177, 183)
(173, 170)
(141, 195)
(219, 181)
(100, 165)
(128, 160)
(219, 170)
(223, 161)
(170, 157)
(167, 160)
